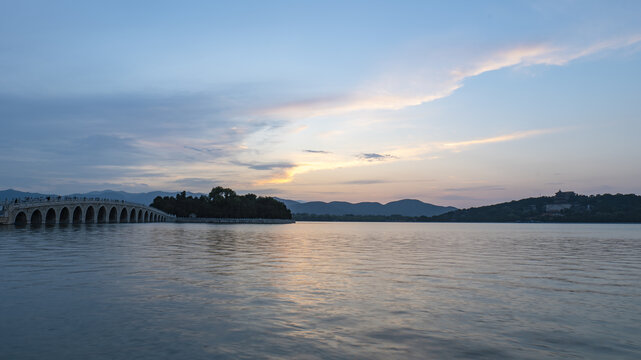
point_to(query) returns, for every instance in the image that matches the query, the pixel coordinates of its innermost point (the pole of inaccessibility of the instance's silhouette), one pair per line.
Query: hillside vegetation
(563, 207)
(222, 203)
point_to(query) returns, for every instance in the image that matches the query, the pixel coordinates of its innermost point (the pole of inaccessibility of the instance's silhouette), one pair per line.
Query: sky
(454, 103)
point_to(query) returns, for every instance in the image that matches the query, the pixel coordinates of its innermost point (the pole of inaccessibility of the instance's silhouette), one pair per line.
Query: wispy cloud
(375, 157)
(364, 182)
(415, 87)
(457, 146)
(420, 152)
(209, 150)
(265, 166)
(317, 151)
(427, 150)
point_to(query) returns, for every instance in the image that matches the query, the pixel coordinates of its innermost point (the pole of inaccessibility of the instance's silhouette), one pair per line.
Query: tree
(223, 203)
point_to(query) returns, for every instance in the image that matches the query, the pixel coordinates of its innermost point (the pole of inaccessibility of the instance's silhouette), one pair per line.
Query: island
(223, 205)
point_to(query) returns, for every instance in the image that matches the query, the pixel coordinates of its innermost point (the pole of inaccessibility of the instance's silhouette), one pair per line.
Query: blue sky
(454, 103)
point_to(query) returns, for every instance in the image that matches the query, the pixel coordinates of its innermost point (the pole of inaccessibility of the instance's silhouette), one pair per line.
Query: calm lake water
(321, 291)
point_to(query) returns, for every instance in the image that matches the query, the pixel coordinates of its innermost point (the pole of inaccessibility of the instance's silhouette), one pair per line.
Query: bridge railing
(53, 199)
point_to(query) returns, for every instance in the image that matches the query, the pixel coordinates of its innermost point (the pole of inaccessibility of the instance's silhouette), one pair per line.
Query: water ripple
(321, 290)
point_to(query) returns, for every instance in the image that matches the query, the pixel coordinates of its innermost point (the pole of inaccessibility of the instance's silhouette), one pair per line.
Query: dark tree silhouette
(223, 203)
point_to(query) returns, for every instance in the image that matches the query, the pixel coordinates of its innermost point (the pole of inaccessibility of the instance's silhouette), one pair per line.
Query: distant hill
(11, 194)
(139, 198)
(405, 207)
(562, 207)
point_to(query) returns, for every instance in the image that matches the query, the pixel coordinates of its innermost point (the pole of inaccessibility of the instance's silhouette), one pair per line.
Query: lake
(321, 291)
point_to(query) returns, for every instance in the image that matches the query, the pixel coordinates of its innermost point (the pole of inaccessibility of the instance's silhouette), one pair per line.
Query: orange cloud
(425, 151)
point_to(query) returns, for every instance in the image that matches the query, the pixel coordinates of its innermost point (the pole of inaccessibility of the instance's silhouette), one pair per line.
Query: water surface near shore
(321, 290)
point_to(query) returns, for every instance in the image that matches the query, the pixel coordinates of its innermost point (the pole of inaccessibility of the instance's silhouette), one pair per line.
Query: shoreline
(232, 221)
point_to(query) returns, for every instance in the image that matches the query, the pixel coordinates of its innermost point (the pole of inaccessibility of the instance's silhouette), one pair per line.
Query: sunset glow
(359, 102)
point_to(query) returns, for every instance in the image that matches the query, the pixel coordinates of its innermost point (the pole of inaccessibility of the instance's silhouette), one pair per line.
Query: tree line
(222, 203)
(606, 208)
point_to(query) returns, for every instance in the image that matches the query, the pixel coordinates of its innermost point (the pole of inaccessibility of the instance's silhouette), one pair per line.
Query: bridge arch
(146, 216)
(113, 215)
(102, 215)
(50, 217)
(132, 216)
(90, 215)
(123, 215)
(77, 215)
(64, 216)
(21, 219)
(139, 216)
(36, 217)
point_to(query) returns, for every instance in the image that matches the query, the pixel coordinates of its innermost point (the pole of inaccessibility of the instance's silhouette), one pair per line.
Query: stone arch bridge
(64, 210)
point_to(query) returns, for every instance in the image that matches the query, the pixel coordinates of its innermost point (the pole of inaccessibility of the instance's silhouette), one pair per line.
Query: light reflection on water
(321, 290)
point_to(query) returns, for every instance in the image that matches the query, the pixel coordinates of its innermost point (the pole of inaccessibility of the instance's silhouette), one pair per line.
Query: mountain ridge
(11, 194)
(404, 207)
(144, 198)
